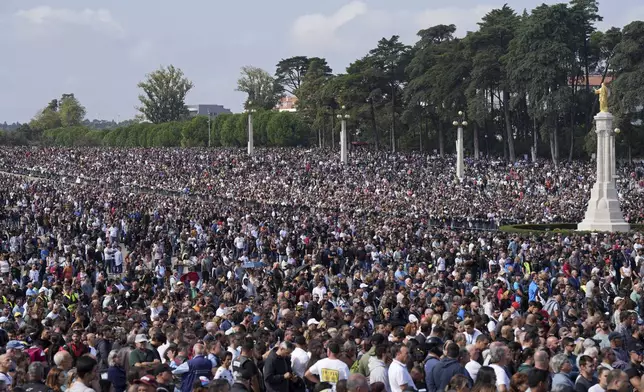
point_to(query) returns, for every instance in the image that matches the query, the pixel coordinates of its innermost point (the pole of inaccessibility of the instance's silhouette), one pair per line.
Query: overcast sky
(100, 50)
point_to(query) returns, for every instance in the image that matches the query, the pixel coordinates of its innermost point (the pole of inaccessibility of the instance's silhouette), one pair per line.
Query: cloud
(318, 31)
(465, 19)
(47, 17)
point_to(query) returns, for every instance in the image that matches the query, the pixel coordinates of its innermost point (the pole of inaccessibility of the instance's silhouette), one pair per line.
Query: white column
(460, 165)
(250, 134)
(604, 213)
(343, 142)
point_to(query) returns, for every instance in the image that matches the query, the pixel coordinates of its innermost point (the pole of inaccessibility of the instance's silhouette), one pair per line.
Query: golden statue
(603, 93)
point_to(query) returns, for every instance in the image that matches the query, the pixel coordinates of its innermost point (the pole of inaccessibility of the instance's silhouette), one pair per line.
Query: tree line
(270, 128)
(523, 81)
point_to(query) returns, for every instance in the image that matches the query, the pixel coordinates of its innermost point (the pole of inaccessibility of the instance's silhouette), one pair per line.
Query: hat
(146, 380)
(363, 285)
(140, 338)
(617, 299)
(17, 314)
(614, 335)
(15, 345)
(161, 369)
(636, 348)
(3, 319)
(413, 318)
(312, 322)
(516, 305)
(368, 309)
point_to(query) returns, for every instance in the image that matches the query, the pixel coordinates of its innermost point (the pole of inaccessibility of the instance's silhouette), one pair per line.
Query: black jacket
(274, 369)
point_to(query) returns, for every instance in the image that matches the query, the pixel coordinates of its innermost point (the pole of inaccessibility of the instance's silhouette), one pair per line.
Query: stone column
(460, 165)
(603, 213)
(251, 147)
(343, 141)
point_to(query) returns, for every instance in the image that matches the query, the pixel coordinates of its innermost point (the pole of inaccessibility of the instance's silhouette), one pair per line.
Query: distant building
(204, 110)
(287, 104)
(594, 81)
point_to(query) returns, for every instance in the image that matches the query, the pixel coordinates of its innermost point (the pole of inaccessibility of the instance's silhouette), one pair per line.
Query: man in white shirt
(118, 261)
(471, 333)
(299, 357)
(319, 290)
(399, 377)
(499, 355)
(329, 369)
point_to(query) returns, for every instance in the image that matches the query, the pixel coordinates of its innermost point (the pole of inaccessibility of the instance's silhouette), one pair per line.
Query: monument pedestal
(604, 213)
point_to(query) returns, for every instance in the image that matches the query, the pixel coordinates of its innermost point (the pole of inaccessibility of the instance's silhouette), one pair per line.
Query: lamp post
(460, 166)
(343, 135)
(209, 128)
(251, 147)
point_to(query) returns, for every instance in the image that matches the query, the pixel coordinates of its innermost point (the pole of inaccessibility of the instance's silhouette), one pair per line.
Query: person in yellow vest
(71, 298)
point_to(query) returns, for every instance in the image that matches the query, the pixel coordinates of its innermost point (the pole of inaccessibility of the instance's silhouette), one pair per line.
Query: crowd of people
(206, 270)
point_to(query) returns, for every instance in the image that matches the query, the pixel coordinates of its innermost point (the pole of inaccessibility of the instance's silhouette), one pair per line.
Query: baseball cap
(15, 345)
(614, 335)
(312, 322)
(161, 369)
(140, 338)
(147, 380)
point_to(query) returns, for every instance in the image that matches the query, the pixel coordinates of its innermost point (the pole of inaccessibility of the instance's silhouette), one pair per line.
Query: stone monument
(604, 213)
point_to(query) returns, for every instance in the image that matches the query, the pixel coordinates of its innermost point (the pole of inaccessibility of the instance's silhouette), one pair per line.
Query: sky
(100, 50)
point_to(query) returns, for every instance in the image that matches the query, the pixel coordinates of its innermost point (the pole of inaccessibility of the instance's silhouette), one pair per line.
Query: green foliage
(262, 89)
(194, 132)
(71, 112)
(164, 94)
(286, 129)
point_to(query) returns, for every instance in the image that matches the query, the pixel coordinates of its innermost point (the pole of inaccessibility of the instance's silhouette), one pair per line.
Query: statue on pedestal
(603, 93)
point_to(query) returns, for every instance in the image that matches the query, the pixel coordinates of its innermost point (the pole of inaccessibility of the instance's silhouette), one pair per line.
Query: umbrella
(190, 276)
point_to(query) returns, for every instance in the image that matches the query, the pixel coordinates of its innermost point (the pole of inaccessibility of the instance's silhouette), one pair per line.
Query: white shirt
(471, 339)
(501, 376)
(330, 370)
(299, 360)
(399, 376)
(596, 388)
(473, 368)
(378, 372)
(319, 291)
(226, 374)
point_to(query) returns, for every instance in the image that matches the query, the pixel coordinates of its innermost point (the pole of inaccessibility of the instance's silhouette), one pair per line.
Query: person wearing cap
(616, 344)
(634, 370)
(146, 383)
(142, 358)
(163, 377)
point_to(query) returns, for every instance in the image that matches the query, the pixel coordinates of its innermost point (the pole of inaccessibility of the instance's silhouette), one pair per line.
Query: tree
(539, 64)
(262, 89)
(287, 130)
(164, 94)
(71, 112)
(488, 45)
(291, 72)
(422, 77)
(390, 58)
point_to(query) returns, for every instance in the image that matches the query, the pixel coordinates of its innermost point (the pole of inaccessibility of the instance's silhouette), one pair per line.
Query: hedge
(270, 128)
